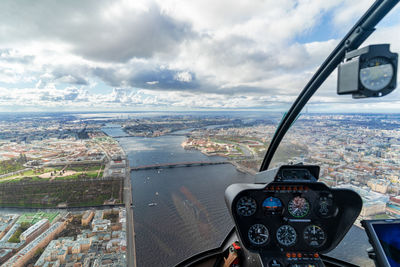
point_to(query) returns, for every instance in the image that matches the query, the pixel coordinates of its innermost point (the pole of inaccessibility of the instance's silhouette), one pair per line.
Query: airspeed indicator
(246, 206)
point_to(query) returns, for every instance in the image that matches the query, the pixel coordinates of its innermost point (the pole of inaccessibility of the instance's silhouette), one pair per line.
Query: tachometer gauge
(314, 236)
(298, 207)
(286, 235)
(246, 206)
(376, 73)
(258, 234)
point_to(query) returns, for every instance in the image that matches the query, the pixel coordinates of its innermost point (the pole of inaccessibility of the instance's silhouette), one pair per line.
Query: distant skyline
(98, 55)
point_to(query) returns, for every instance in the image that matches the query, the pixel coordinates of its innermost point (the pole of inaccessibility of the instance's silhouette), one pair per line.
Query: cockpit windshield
(123, 123)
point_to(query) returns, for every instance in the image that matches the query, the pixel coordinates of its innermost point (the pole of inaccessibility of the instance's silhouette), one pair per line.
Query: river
(190, 215)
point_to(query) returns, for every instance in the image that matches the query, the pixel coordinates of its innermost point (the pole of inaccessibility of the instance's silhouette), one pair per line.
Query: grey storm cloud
(82, 25)
(164, 78)
(108, 75)
(149, 77)
(70, 75)
(161, 78)
(139, 36)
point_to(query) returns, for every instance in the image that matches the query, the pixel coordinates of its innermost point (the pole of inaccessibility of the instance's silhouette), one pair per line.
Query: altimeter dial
(286, 235)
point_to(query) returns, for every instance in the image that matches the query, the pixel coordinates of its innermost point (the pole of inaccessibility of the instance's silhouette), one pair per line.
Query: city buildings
(33, 231)
(25, 254)
(87, 217)
(64, 240)
(104, 243)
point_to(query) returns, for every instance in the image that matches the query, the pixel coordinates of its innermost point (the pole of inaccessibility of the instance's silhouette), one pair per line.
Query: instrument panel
(293, 219)
(295, 216)
(306, 217)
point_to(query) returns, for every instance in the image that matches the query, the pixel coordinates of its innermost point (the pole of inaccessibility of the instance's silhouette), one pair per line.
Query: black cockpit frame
(353, 39)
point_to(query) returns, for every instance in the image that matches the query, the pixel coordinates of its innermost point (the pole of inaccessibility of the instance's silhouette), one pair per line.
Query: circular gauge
(286, 235)
(246, 206)
(325, 206)
(272, 205)
(298, 207)
(314, 236)
(258, 234)
(376, 73)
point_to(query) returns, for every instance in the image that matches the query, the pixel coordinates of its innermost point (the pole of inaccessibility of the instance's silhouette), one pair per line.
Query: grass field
(34, 217)
(90, 171)
(11, 165)
(15, 237)
(92, 174)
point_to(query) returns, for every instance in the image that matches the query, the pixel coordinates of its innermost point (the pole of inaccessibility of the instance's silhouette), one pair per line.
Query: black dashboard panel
(301, 216)
(292, 219)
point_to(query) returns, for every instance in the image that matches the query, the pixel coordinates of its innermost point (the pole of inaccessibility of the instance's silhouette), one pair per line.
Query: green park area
(33, 217)
(54, 173)
(29, 219)
(12, 165)
(15, 237)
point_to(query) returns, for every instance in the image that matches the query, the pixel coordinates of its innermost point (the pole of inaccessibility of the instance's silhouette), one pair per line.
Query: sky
(96, 55)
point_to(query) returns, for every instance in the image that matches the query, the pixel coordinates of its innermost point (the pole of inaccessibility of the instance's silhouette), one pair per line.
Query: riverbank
(227, 151)
(243, 169)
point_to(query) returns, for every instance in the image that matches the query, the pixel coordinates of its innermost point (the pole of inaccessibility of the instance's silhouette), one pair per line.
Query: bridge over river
(169, 134)
(177, 165)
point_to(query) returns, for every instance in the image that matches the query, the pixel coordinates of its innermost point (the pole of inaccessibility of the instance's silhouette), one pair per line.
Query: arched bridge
(177, 164)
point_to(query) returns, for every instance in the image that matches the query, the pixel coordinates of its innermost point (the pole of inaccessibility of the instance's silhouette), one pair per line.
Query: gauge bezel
(238, 203)
(332, 209)
(258, 244)
(349, 71)
(277, 211)
(291, 229)
(319, 244)
(305, 214)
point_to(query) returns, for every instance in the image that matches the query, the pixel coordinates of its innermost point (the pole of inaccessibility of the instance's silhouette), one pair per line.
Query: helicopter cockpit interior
(288, 218)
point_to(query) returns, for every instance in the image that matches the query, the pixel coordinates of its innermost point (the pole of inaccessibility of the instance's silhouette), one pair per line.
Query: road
(130, 230)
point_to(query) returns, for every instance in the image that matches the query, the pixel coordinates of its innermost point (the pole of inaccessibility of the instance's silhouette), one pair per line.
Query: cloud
(113, 31)
(184, 76)
(12, 56)
(70, 75)
(152, 82)
(170, 53)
